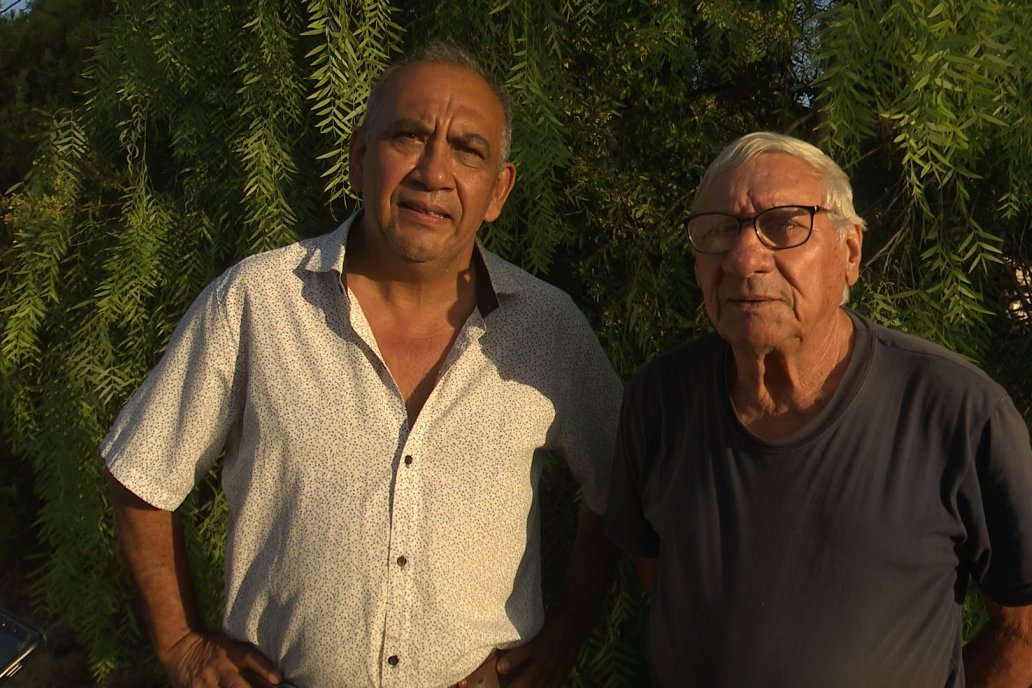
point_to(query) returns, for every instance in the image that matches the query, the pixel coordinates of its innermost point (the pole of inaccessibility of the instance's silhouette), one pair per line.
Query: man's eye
(407, 141)
(784, 222)
(471, 157)
(406, 137)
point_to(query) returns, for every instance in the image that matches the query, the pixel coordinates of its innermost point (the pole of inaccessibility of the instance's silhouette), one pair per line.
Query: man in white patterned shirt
(383, 395)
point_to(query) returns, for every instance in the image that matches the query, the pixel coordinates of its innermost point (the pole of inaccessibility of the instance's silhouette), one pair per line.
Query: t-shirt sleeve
(176, 423)
(997, 494)
(626, 523)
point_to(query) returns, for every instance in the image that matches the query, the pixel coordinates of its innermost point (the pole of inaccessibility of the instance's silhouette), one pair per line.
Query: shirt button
(402, 561)
(393, 660)
(408, 460)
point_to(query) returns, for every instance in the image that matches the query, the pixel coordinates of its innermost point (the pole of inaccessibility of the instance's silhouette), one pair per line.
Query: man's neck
(415, 313)
(776, 393)
(418, 294)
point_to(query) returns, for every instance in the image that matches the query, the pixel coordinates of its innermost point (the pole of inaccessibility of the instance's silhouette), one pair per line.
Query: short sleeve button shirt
(362, 551)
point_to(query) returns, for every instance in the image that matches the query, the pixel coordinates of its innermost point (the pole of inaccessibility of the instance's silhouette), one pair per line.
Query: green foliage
(211, 130)
(41, 56)
(353, 44)
(934, 95)
(660, 88)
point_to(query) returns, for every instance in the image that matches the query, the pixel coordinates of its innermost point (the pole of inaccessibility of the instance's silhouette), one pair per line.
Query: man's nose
(433, 168)
(748, 254)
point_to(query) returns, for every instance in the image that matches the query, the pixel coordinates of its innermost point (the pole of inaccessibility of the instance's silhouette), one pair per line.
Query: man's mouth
(432, 211)
(749, 300)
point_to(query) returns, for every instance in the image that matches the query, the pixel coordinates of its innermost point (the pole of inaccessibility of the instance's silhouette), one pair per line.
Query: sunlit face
(429, 165)
(760, 299)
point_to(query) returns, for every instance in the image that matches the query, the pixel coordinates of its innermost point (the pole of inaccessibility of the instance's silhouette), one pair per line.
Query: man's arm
(646, 568)
(156, 553)
(546, 660)
(1000, 656)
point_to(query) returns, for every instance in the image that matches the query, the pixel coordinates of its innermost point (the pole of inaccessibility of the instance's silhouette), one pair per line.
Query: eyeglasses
(777, 228)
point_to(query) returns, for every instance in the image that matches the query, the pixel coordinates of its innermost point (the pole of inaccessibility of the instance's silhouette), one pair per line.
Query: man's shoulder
(910, 354)
(282, 265)
(508, 278)
(682, 366)
(700, 350)
(518, 288)
(270, 259)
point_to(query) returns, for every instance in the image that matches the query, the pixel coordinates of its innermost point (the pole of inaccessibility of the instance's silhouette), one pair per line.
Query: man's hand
(156, 554)
(545, 661)
(214, 660)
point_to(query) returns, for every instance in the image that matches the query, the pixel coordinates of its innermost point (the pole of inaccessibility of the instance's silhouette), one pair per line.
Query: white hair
(837, 192)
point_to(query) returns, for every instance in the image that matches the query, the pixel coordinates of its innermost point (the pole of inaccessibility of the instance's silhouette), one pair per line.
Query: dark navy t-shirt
(837, 556)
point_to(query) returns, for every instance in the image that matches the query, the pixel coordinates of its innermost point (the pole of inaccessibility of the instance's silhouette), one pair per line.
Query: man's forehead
(769, 178)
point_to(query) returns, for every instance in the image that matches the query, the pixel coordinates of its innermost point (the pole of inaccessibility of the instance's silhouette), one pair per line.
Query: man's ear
(854, 252)
(356, 158)
(503, 185)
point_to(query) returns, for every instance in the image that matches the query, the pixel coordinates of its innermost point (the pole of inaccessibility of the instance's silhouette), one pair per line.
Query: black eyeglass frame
(742, 221)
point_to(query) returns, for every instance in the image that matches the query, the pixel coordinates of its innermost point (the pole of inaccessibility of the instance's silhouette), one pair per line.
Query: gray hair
(837, 192)
(442, 52)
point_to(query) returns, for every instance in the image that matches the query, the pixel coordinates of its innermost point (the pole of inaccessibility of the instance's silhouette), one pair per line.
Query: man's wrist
(173, 647)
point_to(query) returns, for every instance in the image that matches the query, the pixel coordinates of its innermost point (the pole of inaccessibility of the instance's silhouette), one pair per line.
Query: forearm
(589, 572)
(646, 568)
(1000, 656)
(152, 540)
(546, 660)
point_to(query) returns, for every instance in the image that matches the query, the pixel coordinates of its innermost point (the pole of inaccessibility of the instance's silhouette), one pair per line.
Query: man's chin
(754, 334)
(414, 242)
(423, 254)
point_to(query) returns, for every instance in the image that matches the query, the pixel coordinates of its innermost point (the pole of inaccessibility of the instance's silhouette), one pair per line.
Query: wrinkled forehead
(761, 182)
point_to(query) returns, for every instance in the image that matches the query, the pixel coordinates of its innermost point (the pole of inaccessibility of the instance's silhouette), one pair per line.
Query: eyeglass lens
(779, 227)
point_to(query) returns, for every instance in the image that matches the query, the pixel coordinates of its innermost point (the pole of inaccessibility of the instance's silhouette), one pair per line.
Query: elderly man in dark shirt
(808, 493)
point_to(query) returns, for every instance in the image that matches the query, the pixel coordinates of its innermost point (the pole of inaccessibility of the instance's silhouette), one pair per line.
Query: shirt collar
(495, 277)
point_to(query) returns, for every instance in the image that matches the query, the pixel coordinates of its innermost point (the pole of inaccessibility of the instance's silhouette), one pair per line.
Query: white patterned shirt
(362, 551)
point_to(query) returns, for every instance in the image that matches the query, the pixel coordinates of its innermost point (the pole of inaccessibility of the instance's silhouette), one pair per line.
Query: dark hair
(442, 52)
